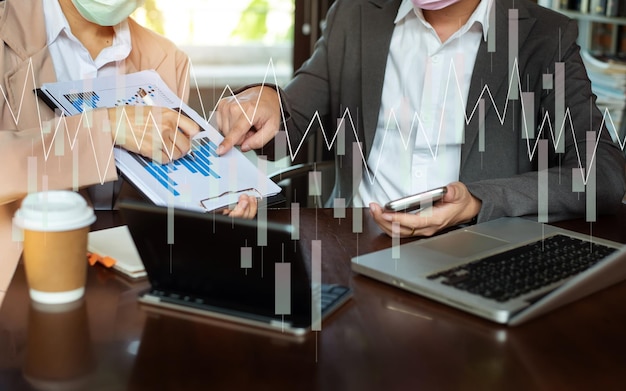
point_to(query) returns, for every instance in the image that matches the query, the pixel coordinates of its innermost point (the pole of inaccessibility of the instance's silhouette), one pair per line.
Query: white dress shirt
(421, 121)
(72, 61)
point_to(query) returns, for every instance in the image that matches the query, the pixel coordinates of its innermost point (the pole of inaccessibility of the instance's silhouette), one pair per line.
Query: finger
(246, 207)
(187, 126)
(180, 144)
(252, 208)
(408, 224)
(386, 215)
(454, 193)
(223, 125)
(224, 117)
(234, 135)
(256, 140)
(235, 212)
(159, 157)
(223, 211)
(156, 143)
(378, 214)
(146, 145)
(241, 207)
(375, 209)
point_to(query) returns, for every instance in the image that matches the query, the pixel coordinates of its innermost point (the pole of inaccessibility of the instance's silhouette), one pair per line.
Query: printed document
(201, 180)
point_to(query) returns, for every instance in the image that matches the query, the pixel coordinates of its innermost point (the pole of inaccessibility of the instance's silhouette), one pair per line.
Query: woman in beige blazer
(28, 161)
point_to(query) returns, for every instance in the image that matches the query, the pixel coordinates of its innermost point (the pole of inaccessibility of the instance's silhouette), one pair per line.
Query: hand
(456, 207)
(246, 207)
(250, 119)
(158, 133)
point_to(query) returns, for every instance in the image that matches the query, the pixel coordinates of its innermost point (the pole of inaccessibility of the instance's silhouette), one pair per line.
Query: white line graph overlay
(346, 117)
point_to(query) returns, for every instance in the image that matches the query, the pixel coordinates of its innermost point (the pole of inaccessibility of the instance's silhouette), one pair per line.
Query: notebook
(210, 264)
(508, 270)
(117, 245)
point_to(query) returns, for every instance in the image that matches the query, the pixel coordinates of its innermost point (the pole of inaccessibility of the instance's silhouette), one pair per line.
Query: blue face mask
(106, 12)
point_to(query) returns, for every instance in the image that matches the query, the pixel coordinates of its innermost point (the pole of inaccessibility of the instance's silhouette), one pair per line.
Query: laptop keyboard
(331, 294)
(515, 272)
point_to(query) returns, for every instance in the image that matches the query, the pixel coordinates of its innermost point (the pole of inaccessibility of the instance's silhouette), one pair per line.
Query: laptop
(508, 270)
(208, 264)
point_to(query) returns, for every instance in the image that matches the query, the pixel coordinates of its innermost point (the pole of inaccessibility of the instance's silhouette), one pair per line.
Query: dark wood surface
(383, 339)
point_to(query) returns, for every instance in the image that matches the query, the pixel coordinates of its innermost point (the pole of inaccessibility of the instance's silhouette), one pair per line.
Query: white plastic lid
(58, 210)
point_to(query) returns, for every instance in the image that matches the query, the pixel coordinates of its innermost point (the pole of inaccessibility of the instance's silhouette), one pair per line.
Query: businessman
(490, 98)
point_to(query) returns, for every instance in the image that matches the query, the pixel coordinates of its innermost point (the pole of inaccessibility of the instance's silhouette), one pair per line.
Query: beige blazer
(32, 159)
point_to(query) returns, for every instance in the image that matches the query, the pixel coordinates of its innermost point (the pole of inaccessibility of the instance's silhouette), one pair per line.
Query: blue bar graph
(80, 100)
(197, 162)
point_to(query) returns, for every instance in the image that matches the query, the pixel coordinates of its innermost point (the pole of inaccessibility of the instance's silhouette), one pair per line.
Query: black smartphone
(414, 202)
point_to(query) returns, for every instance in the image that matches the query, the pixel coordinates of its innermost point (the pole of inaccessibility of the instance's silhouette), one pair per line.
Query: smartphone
(414, 202)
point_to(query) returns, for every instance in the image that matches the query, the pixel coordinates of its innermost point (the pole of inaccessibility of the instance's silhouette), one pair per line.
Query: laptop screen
(213, 260)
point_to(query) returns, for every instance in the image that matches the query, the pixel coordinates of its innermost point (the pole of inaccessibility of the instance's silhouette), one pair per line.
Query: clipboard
(201, 181)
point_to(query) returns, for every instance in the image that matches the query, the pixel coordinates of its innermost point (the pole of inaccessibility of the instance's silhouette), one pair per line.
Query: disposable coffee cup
(55, 225)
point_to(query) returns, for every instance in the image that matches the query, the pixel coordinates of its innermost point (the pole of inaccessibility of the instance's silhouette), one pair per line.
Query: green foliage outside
(154, 17)
(267, 21)
(253, 24)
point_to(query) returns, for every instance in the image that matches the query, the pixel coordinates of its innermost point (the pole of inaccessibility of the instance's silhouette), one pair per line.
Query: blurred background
(239, 42)
(234, 43)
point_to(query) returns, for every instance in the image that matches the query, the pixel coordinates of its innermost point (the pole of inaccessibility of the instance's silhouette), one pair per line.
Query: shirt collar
(56, 22)
(480, 15)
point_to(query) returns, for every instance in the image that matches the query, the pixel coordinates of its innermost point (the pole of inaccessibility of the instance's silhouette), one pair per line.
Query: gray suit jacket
(346, 71)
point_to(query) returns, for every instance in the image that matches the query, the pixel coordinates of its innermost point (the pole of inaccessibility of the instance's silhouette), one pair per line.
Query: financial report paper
(201, 180)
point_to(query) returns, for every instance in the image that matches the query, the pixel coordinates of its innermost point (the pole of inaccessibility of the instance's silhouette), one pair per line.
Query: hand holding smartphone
(415, 202)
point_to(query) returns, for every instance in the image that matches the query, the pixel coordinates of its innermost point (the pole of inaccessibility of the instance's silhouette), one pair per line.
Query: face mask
(106, 12)
(432, 5)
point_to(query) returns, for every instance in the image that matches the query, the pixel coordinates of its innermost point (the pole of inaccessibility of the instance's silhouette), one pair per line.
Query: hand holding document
(201, 180)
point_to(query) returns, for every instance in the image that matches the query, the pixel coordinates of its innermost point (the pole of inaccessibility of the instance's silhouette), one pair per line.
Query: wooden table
(383, 339)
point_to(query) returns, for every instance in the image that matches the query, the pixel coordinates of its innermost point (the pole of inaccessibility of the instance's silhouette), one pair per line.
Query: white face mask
(432, 5)
(106, 12)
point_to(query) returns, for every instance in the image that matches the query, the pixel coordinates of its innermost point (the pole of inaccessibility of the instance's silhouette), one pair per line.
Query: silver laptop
(508, 270)
(206, 264)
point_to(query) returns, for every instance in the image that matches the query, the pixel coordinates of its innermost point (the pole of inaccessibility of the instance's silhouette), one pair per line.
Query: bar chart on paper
(196, 162)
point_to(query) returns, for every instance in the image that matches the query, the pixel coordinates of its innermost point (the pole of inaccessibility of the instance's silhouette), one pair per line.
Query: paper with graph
(201, 180)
